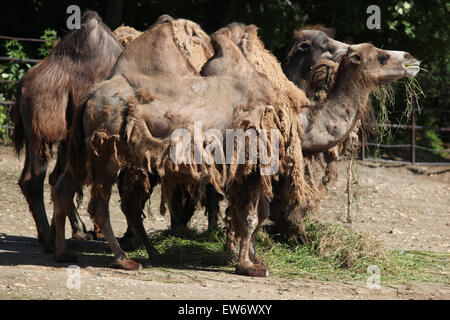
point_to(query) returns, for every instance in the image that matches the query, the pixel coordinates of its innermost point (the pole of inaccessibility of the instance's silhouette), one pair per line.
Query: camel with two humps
(128, 121)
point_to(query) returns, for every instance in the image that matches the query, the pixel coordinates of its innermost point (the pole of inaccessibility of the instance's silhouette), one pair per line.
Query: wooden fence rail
(412, 146)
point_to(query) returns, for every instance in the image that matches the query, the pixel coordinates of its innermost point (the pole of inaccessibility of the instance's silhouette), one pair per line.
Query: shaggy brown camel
(172, 47)
(183, 206)
(48, 94)
(137, 132)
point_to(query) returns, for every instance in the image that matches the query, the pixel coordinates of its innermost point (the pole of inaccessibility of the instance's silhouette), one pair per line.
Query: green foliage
(10, 72)
(50, 37)
(13, 71)
(3, 119)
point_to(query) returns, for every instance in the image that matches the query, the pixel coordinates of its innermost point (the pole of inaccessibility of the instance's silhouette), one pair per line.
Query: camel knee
(32, 186)
(96, 208)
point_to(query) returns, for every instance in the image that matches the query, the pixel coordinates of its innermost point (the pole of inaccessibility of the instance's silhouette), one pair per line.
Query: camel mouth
(411, 68)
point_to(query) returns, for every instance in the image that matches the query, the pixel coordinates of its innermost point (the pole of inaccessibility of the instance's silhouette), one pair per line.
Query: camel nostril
(408, 56)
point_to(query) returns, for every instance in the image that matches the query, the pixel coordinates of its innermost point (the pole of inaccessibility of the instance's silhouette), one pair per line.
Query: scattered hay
(342, 245)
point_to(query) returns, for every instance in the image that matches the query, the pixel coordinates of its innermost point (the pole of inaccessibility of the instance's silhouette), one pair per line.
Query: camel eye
(304, 45)
(383, 58)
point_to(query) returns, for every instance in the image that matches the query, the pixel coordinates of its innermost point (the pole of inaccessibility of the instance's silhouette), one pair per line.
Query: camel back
(49, 91)
(246, 38)
(173, 46)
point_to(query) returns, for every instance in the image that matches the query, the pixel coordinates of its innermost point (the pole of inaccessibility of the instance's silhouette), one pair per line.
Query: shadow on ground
(20, 250)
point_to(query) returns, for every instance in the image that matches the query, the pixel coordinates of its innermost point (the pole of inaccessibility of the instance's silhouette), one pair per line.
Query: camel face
(383, 66)
(313, 45)
(310, 46)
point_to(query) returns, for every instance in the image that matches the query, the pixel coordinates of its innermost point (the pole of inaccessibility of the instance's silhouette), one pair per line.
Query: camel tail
(18, 136)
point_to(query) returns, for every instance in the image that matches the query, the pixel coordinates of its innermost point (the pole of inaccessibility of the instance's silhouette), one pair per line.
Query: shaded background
(420, 27)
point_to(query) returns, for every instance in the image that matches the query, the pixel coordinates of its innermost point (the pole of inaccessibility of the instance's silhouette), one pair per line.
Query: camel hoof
(66, 256)
(79, 235)
(252, 271)
(128, 264)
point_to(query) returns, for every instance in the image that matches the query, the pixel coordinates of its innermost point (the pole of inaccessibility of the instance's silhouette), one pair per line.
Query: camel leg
(62, 196)
(232, 238)
(188, 209)
(31, 183)
(212, 206)
(78, 228)
(135, 221)
(248, 222)
(263, 214)
(182, 208)
(140, 186)
(287, 217)
(134, 194)
(104, 171)
(129, 241)
(99, 210)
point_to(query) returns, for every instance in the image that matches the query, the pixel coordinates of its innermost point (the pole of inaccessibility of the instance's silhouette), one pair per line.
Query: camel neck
(328, 124)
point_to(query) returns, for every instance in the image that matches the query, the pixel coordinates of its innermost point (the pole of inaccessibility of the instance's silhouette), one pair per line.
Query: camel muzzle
(412, 68)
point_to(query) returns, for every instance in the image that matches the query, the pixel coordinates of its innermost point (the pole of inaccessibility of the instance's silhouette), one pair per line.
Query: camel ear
(164, 18)
(304, 45)
(355, 57)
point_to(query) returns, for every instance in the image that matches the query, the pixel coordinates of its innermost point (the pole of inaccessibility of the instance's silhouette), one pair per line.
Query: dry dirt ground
(404, 209)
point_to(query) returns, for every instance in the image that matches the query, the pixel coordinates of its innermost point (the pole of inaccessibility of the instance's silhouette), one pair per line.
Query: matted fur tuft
(126, 34)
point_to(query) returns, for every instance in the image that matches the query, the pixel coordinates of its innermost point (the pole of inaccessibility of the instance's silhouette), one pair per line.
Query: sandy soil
(405, 209)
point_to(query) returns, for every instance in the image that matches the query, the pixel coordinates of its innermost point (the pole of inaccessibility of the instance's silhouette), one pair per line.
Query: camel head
(310, 45)
(361, 69)
(382, 66)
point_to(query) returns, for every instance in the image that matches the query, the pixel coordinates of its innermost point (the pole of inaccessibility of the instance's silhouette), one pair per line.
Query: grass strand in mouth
(413, 93)
(384, 98)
